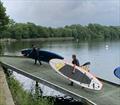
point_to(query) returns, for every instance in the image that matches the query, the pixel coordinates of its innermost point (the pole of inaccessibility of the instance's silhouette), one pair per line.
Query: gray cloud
(64, 12)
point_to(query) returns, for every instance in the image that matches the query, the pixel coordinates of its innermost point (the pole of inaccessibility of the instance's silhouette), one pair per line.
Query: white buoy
(106, 46)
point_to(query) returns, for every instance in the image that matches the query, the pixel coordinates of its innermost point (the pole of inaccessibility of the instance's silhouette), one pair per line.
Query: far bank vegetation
(30, 30)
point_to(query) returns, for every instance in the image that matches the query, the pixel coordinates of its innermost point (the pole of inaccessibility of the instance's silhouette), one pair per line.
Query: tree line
(30, 30)
(10, 29)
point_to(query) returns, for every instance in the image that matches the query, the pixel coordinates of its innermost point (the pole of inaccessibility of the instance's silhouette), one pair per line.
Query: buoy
(106, 46)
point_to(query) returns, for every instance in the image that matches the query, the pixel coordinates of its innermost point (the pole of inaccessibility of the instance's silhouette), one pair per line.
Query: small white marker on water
(106, 46)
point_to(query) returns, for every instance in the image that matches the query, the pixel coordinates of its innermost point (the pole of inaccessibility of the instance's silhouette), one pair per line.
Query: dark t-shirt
(76, 62)
(34, 53)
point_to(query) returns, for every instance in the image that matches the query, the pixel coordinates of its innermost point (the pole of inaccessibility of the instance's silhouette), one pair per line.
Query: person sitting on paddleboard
(75, 62)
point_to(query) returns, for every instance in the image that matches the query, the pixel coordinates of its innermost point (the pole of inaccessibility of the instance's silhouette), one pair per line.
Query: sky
(58, 13)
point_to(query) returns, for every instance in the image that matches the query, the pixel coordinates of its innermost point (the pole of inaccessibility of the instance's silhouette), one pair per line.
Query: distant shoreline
(38, 39)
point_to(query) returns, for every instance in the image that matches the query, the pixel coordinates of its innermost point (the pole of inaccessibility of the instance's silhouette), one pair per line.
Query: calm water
(104, 56)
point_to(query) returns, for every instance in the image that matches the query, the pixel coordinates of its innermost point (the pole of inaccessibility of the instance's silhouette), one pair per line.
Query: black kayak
(45, 56)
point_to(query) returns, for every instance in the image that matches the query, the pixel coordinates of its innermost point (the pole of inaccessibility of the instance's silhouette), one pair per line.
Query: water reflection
(1, 49)
(29, 84)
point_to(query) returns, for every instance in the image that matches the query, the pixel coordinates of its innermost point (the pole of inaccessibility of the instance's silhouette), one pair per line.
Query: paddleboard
(45, 56)
(117, 72)
(79, 76)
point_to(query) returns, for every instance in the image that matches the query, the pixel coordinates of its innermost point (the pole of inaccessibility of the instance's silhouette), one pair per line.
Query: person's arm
(74, 68)
(76, 64)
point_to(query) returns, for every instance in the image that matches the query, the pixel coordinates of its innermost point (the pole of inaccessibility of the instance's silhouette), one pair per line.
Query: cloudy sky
(58, 13)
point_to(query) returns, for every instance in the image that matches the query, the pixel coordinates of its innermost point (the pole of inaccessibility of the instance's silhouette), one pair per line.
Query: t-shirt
(76, 62)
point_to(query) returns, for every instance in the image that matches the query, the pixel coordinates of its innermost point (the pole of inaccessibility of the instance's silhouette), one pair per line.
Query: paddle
(85, 64)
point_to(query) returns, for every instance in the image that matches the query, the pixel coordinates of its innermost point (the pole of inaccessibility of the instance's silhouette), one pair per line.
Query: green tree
(4, 19)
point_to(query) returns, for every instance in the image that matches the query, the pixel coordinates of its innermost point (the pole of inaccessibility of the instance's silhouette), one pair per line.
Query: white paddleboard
(76, 74)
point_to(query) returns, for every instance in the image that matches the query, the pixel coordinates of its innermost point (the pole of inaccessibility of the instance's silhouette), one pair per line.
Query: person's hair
(74, 56)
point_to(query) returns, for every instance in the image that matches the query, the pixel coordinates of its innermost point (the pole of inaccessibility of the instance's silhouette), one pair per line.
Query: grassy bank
(23, 97)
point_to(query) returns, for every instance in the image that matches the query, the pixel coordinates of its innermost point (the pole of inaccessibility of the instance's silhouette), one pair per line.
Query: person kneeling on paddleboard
(75, 62)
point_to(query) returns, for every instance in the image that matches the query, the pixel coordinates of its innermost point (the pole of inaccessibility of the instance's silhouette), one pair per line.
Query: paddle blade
(85, 64)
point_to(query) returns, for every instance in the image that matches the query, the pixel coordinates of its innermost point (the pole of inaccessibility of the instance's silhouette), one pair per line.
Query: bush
(23, 97)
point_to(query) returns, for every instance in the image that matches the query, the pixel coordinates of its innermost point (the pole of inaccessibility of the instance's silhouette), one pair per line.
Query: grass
(23, 97)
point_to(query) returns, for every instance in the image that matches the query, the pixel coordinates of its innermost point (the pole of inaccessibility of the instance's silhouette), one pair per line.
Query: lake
(103, 55)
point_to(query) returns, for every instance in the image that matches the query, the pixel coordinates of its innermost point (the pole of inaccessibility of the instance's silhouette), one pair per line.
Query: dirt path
(5, 94)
